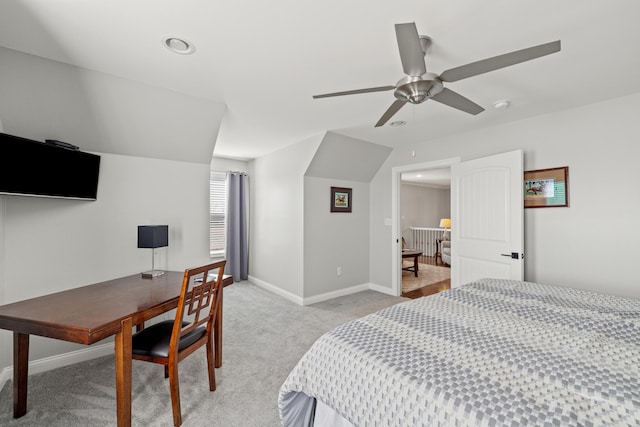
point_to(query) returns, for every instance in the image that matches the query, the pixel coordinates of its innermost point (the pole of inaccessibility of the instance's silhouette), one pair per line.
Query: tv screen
(33, 168)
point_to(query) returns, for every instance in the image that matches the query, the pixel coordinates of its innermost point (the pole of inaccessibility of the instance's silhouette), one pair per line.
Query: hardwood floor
(429, 260)
(429, 289)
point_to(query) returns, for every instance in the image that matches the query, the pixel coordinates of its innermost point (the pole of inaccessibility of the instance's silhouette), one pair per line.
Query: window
(217, 213)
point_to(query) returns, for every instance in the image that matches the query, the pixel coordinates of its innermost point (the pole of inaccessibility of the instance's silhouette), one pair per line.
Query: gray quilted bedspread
(490, 353)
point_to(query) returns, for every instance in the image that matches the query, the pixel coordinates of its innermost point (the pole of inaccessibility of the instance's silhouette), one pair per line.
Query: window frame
(217, 209)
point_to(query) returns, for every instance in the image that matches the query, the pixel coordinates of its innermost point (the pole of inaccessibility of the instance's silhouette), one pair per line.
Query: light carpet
(427, 274)
(264, 337)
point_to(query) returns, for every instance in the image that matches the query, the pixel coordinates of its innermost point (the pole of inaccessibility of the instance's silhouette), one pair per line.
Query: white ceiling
(440, 177)
(265, 59)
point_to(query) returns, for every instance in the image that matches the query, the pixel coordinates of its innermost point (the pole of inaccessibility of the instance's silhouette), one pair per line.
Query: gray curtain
(237, 250)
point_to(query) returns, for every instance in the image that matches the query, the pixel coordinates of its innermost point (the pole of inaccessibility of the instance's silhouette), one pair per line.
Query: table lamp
(153, 236)
(446, 224)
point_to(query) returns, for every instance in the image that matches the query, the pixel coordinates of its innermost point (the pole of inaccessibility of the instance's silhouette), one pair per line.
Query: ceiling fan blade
(455, 100)
(500, 61)
(355, 92)
(411, 53)
(395, 107)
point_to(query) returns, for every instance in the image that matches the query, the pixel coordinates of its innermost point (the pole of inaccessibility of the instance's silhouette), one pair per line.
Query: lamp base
(151, 274)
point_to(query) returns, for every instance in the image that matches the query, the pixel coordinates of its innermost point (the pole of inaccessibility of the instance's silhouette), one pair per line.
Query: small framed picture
(546, 188)
(341, 199)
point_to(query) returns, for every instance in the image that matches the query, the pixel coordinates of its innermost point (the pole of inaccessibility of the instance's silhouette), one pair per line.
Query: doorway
(487, 213)
(425, 219)
(396, 215)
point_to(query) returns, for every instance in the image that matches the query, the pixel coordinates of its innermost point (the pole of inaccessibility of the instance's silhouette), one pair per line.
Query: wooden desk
(89, 314)
(412, 253)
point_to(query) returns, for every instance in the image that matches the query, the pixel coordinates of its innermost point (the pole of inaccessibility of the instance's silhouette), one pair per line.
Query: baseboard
(276, 290)
(59, 360)
(317, 298)
(335, 294)
(322, 297)
(382, 289)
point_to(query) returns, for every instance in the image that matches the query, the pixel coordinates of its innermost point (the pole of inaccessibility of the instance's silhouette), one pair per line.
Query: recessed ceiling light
(397, 123)
(178, 45)
(503, 104)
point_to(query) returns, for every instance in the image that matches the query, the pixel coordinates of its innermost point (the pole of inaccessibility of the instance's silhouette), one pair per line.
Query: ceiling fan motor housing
(416, 90)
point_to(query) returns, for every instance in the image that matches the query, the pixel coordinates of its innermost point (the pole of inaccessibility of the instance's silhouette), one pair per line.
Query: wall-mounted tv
(33, 168)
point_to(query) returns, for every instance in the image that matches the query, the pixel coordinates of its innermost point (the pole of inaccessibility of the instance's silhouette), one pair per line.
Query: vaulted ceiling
(261, 61)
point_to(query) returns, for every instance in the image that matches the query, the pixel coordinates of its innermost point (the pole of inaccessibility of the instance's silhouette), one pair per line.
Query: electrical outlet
(339, 271)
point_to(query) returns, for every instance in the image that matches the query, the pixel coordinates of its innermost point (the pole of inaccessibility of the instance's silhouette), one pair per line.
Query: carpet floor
(427, 275)
(264, 336)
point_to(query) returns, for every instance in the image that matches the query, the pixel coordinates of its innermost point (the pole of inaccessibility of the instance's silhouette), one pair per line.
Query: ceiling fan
(420, 85)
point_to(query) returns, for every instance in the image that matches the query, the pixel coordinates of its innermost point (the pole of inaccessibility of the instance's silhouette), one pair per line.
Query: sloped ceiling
(42, 99)
(345, 158)
(264, 60)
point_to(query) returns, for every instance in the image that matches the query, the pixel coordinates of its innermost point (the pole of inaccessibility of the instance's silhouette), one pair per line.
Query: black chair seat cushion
(154, 340)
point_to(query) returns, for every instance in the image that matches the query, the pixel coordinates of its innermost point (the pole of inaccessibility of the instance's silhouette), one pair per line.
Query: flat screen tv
(33, 168)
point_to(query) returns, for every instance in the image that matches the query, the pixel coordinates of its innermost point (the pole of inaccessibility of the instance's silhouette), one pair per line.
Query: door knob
(512, 255)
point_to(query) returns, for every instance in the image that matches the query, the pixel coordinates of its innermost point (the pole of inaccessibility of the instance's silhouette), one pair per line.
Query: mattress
(489, 353)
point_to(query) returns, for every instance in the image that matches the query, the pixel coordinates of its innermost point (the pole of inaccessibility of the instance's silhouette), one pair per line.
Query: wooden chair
(168, 342)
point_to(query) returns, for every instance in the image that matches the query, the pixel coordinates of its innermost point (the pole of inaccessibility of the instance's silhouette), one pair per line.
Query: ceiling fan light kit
(416, 90)
(419, 85)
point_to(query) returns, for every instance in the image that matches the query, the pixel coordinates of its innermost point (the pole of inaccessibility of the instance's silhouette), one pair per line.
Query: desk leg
(123, 373)
(217, 332)
(20, 373)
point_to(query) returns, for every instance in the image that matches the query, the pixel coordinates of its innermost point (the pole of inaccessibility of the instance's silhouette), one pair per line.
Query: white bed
(489, 353)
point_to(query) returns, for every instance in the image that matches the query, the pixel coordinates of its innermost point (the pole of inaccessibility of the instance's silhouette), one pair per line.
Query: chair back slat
(199, 304)
(198, 299)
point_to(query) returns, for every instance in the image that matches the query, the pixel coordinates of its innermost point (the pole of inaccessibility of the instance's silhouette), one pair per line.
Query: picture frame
(341, 200)
(546, 188)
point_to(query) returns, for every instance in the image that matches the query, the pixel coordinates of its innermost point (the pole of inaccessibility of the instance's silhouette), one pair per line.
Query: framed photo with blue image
(546, 188)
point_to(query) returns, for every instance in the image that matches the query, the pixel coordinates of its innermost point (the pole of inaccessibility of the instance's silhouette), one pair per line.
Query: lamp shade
(153, 236)
(445, 223)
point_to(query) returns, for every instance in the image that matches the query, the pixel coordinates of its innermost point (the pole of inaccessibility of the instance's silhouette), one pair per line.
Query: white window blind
(217, 213)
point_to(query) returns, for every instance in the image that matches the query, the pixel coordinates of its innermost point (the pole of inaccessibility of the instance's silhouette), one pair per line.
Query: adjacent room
(319, 214)
(425, 215)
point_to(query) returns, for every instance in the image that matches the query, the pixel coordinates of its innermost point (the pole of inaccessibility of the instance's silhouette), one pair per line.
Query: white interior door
(487, 233)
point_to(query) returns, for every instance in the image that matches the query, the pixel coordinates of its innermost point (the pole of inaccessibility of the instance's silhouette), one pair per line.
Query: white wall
(296, 244)
(57, 244)
(334, 240)
(573, 246)
(5, 336)
(422, 206)
(276, 246)
(48, 245)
